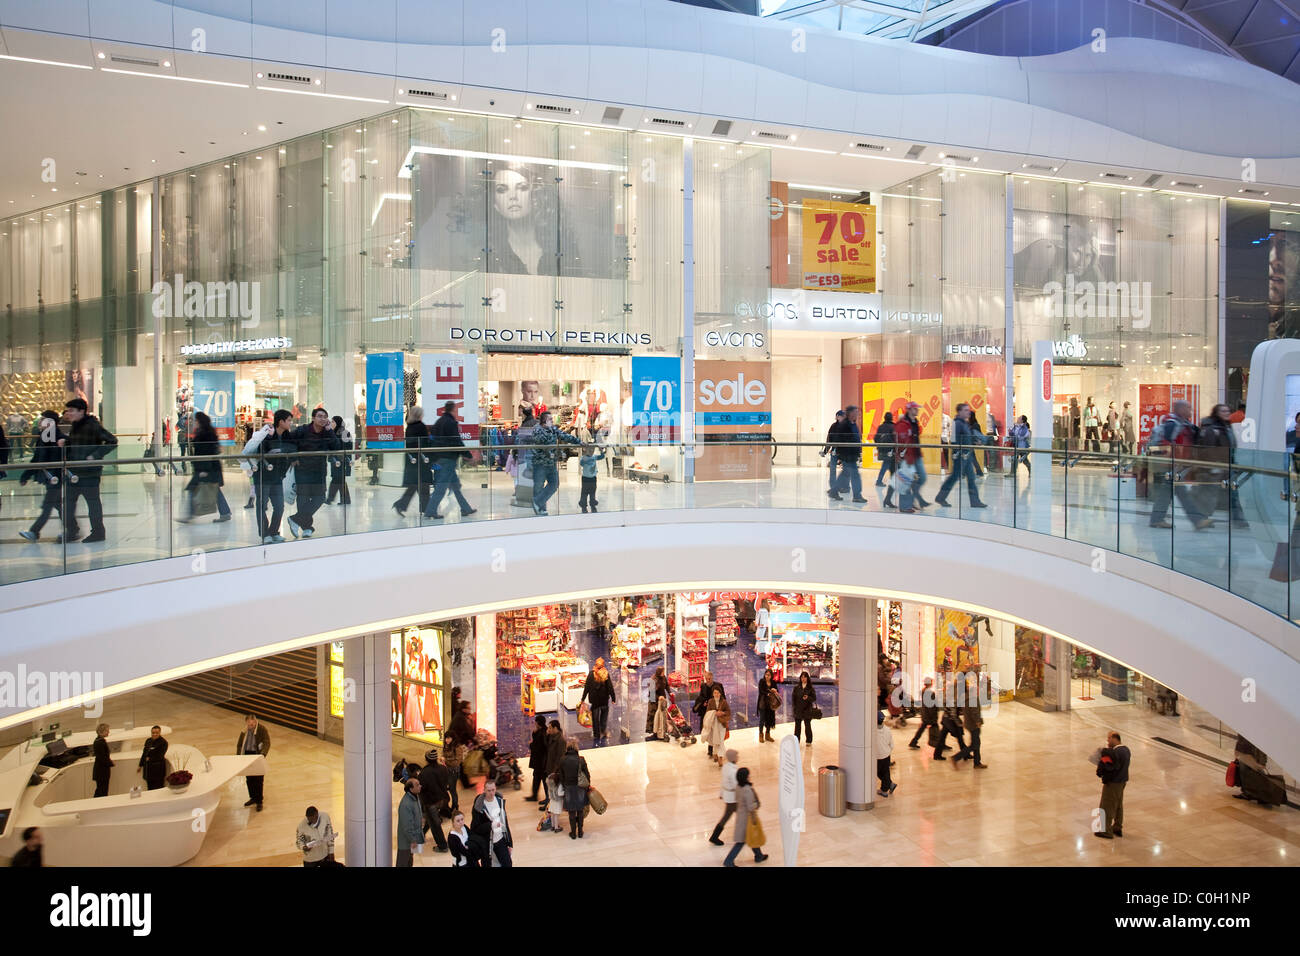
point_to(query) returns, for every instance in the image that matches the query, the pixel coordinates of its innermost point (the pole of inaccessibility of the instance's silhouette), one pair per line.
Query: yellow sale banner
(881, 397)
(839, 246)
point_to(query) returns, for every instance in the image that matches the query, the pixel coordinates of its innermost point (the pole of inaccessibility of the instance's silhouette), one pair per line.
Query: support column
(337, 371)
(857, 697)
(485, 671)
(158, 413)
(367, 752)
(688, 318)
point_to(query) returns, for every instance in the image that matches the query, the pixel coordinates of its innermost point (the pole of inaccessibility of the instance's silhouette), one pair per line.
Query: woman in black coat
(205, 442)
(537, 756)
(802, 701)
(766, 713)
(340, 467)
(46, 451)
(575, 795)
(417, 468)
(103, 768)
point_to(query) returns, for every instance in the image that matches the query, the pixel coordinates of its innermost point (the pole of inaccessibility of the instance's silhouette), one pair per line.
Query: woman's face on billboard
(511, 194)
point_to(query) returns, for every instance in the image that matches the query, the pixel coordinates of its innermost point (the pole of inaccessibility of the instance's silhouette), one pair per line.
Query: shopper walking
(1217, 443)
(417, 469)
(850, 452)
(546, 474)
(309, 472)
(153, 759)
(30, 853)
(1169, 449)
(268, 451)
(46, 452)
(727, 794)
(458, 841)
(87, 440)
(746, 807)
(977, 439)
(315, 838)
(949, 725)
(102, 771)
(555, 748)
(769, 700)
(657, 707)
(576, 779)
(702, 699)
(587, 462)
(445, 437)
(410, 837)
(803, 701)
(435, 796)
(489, 829)
(1112, 767)
(717, 720)
(831, 449)
(254, 739)
(907, 434)
(972, 720)
(599, 689)
(964, 438)
(1127, 431)
(884, 748)
(929, 713)
(884, 439)
(206, 473)
(1020, 438)
(340, 466)
(537, 757)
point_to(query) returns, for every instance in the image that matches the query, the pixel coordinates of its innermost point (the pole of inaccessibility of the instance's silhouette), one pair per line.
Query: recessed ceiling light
(257, 157)
(101, 56)
(261, 127)
(167, 62)
(318, 82)
(282, 151)
(259, 76)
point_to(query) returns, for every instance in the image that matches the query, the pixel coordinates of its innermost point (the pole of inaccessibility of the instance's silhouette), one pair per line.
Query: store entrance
(239, 396)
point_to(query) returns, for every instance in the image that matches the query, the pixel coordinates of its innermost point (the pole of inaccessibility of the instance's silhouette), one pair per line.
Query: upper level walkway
(1071, 552)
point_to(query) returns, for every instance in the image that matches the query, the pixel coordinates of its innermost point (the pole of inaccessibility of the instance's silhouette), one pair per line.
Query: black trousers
(537, 782)
(338, 486)
(101, 784)
(433, 822)
(310, 498)
(727, 814)
(403, 502)
(255, 788)
(588, 496)
(155, 774)
(55, 500)
(925, 724)
(807, 723)
(599, 719)
(882, 771)
(269, 490)
(90, 491)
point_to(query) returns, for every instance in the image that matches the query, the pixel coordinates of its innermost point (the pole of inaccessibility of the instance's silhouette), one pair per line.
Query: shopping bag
(1283, 569)
(584, 714)
(933, 737)
(754, 836)
(597, 801)
(1231, 778)
(203, 500)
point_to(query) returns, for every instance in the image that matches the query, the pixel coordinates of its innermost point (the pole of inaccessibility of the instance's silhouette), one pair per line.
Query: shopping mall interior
(380, 380)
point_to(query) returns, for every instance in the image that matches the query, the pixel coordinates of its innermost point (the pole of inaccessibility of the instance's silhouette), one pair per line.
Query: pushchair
(503, 768)
(678, 727)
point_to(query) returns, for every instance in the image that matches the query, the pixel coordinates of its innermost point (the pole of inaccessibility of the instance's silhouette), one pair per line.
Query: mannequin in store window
(1091, 424)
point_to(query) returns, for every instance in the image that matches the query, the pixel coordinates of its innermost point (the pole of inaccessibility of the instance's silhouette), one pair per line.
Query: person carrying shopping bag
(748, 829)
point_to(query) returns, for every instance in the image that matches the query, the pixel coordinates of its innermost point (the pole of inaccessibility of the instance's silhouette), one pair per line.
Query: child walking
(587, 460)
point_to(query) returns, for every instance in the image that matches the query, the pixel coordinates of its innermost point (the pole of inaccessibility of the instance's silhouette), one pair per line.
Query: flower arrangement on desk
(179, 779)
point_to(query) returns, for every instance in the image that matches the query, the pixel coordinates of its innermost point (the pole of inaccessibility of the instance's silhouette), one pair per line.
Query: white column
(857, 697)
(367, 752)
(157, 325)
(1009, 300)
(337, 371)
(485, 671)
(688, 315)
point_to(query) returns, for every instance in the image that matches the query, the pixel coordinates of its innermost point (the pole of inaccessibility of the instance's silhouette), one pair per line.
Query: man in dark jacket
(850, 452)
(537, 757)
(310, 471)
(435, 783)
(929, 712)
(832, 436)
(29, 854)
(1113, 770)
(45, 437)
(884, 439)
(1217, 443)
(103, 768)
(153, 759)
(88, 440)
(599, 689)
(269, 468)
(489, 828)
(254, 739)
(701, 705)
(965, 438)
(554, 749)
(446, 434)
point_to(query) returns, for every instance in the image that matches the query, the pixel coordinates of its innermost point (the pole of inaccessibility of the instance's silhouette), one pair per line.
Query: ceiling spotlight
(167, 62)
(318, 82)
(259, 76)
(101, 56)
(261, 127)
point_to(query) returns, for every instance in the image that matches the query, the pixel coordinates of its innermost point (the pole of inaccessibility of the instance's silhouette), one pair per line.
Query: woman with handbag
(576, 780)
(803, 701)
(717, 718)
(747, 829)
(207, 477)
(769, 701)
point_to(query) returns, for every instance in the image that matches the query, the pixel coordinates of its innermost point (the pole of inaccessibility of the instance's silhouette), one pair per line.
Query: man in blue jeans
(832, 436)
(849, 449)
(963, 438)
(446, 434)
(546, 474)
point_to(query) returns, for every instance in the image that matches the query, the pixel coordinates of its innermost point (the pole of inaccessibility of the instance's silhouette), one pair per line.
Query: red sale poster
(1154, 402)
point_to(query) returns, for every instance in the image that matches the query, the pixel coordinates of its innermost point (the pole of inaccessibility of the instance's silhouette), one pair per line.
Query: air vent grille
(767, 134)
(1153, 179)
(960, 159)
(612, 114)
(1185, 185)
(1040, 167)
(133, 60)
(664, 121)
(1253, 192)
(289, 78)
(915, 152)
(874, 146)
(559, 110)
(1116, 176)
(722, 128)
(427, 94)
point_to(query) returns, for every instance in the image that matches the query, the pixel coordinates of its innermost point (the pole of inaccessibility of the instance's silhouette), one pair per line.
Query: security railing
(1229, 524)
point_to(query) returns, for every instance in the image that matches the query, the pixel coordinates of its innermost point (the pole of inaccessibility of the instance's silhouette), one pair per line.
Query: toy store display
(532, 631)
(724, 624)
(543, 678)
(572, 679)
(638, 641)
(695, 645)
(804, 636)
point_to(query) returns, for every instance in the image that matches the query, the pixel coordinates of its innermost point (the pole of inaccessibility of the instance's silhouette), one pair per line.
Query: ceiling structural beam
(911, 37)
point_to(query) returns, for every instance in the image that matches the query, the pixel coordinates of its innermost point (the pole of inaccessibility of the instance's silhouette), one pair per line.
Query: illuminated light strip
(28, 59)
(887, 159)
(451, 109)
(797, 149)
(826, 189)
(405, 171)
(332, 96)
(405, 196)
(918, 198)
(168, 76)
(972, 169)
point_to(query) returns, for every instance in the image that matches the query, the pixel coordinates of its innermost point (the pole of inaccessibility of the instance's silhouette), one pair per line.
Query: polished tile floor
(1032, 806)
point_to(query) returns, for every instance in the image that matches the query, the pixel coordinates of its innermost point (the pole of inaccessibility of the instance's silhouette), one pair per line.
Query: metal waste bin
(831, 783)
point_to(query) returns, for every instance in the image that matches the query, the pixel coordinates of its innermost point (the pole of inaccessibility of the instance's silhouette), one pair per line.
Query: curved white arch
(145, 623)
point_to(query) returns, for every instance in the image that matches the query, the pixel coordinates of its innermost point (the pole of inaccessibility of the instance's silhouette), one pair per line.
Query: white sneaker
(308, 532)
(293, 527)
